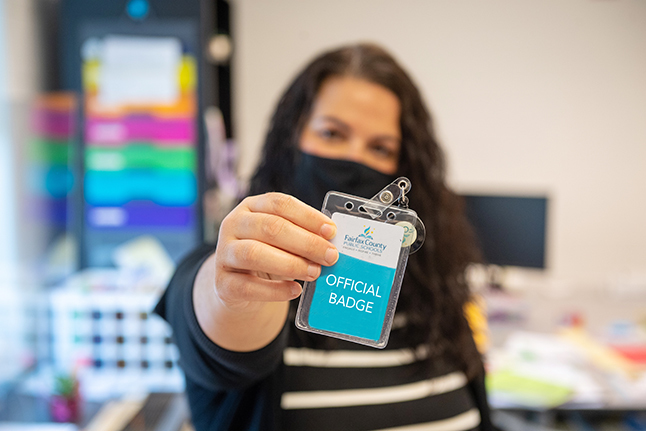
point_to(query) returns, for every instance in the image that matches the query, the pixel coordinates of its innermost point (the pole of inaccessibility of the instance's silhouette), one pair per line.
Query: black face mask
(315, 176)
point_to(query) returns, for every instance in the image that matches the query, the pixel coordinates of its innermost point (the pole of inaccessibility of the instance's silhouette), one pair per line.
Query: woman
(351, 121)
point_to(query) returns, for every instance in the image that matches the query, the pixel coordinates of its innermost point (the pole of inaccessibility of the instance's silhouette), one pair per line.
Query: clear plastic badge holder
(355, 298)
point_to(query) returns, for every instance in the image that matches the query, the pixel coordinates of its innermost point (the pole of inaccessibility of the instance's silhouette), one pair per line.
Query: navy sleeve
(204, 362)
(479, 392)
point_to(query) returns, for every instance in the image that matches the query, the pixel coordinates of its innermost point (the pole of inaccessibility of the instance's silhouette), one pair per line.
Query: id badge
(355, 298)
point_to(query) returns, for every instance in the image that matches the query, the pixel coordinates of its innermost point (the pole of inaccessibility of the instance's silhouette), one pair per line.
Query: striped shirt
(360, 388)
(296, 384)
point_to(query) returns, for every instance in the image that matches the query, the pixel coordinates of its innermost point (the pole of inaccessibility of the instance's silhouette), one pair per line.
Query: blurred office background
(539, 105)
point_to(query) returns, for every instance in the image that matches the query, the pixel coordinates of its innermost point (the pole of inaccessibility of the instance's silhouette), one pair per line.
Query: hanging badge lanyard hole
(355, 298)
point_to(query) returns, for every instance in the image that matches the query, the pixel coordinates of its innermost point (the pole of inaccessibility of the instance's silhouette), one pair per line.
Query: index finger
(292, 209)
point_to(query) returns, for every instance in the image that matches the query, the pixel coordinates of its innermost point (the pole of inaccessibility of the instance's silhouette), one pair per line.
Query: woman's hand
(241, 293)
(266, 243)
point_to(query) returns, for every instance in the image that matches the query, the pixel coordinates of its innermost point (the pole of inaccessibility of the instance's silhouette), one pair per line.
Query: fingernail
(296, 290)
(328, 231)
(313, 271)
(331, 255)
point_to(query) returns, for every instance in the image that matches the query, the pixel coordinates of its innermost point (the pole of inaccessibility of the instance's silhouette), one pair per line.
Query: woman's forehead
(359, 101)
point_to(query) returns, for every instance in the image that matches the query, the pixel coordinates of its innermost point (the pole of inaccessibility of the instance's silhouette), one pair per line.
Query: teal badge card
(351, 297)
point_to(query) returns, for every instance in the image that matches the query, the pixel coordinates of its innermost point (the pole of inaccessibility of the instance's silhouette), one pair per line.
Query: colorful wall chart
(140, 141)
(51, 179)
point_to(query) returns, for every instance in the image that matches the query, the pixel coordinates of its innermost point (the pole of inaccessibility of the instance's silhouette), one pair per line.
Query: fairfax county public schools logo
(364, 242)
(366, 233)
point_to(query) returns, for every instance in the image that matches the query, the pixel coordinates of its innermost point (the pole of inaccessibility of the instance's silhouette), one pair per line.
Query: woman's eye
(330, 134)
(383, 151)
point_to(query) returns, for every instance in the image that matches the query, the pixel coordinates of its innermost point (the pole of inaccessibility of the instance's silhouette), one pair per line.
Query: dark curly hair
(434, 290)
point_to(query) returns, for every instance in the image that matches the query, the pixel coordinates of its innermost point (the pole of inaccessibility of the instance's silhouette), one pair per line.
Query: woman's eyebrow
(340, 124)
(391, 138)
(345, 128)
(388, 139)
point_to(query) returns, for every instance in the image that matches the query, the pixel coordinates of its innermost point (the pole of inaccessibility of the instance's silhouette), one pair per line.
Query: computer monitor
(511, 230)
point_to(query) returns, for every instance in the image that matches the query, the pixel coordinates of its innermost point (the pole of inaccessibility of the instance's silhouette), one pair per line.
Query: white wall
(19, 70)
(7, 214)
(532, 96)
(19, 83)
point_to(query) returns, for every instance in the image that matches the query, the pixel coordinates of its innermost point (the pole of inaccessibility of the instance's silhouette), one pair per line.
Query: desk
(18, 407)
(168, 411)
(611, 396)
